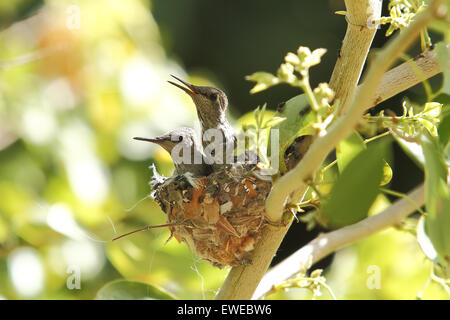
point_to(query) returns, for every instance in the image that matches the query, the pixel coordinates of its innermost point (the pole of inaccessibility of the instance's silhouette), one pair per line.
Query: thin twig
(145, 229)
(404, 196)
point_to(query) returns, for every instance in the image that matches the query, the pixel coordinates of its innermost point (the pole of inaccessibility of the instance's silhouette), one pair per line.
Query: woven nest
(220, 216)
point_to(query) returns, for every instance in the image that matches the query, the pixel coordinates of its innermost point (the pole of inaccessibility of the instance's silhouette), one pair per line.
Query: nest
(220, 216)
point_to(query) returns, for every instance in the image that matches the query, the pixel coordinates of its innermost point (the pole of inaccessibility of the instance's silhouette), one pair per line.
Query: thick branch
(407, 75)
(361, 29)
(328, 243)
(295, 178)
(242, 281)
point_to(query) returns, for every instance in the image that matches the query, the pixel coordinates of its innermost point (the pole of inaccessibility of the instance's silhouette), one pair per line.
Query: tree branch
(407, 75)
(361, 29)
(242, 281)
(328, 243)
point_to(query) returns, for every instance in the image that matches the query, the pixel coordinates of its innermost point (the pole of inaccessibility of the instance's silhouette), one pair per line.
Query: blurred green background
(79, 79)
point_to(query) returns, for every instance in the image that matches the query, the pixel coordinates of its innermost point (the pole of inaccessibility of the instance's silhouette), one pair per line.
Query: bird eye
(213, 96)
(180, 138)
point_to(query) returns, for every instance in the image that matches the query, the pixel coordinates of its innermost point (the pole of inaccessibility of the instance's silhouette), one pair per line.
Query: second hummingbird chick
(211, 104)
(295, 152)
(186, 154)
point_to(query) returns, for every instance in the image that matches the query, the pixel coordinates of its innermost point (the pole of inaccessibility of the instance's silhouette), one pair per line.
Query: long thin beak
(190, 89)
(156, 140)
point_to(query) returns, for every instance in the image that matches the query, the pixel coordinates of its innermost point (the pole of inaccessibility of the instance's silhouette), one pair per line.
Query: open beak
(190, 89)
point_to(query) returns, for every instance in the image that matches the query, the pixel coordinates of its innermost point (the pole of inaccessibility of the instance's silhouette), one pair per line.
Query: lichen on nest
(219, 216)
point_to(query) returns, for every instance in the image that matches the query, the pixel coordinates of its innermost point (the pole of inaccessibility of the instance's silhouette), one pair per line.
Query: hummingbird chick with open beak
(187, 155)
(211, 104)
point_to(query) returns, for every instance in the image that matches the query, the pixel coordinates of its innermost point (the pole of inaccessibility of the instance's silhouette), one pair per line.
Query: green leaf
(272, 122)
(132, 290)
(348, 149)
(299, 118)
(356, 189)
(443, 58)
(263, 81)
(424, 241)
(437, 199)
(444, 131)
(429, 126)
(432, 109)
(249, 120)
(387, 174)
(444, 138)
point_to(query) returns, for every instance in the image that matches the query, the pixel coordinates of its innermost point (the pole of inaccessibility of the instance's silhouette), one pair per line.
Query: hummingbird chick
(211, 104)
(186, 154)
(295, 152)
